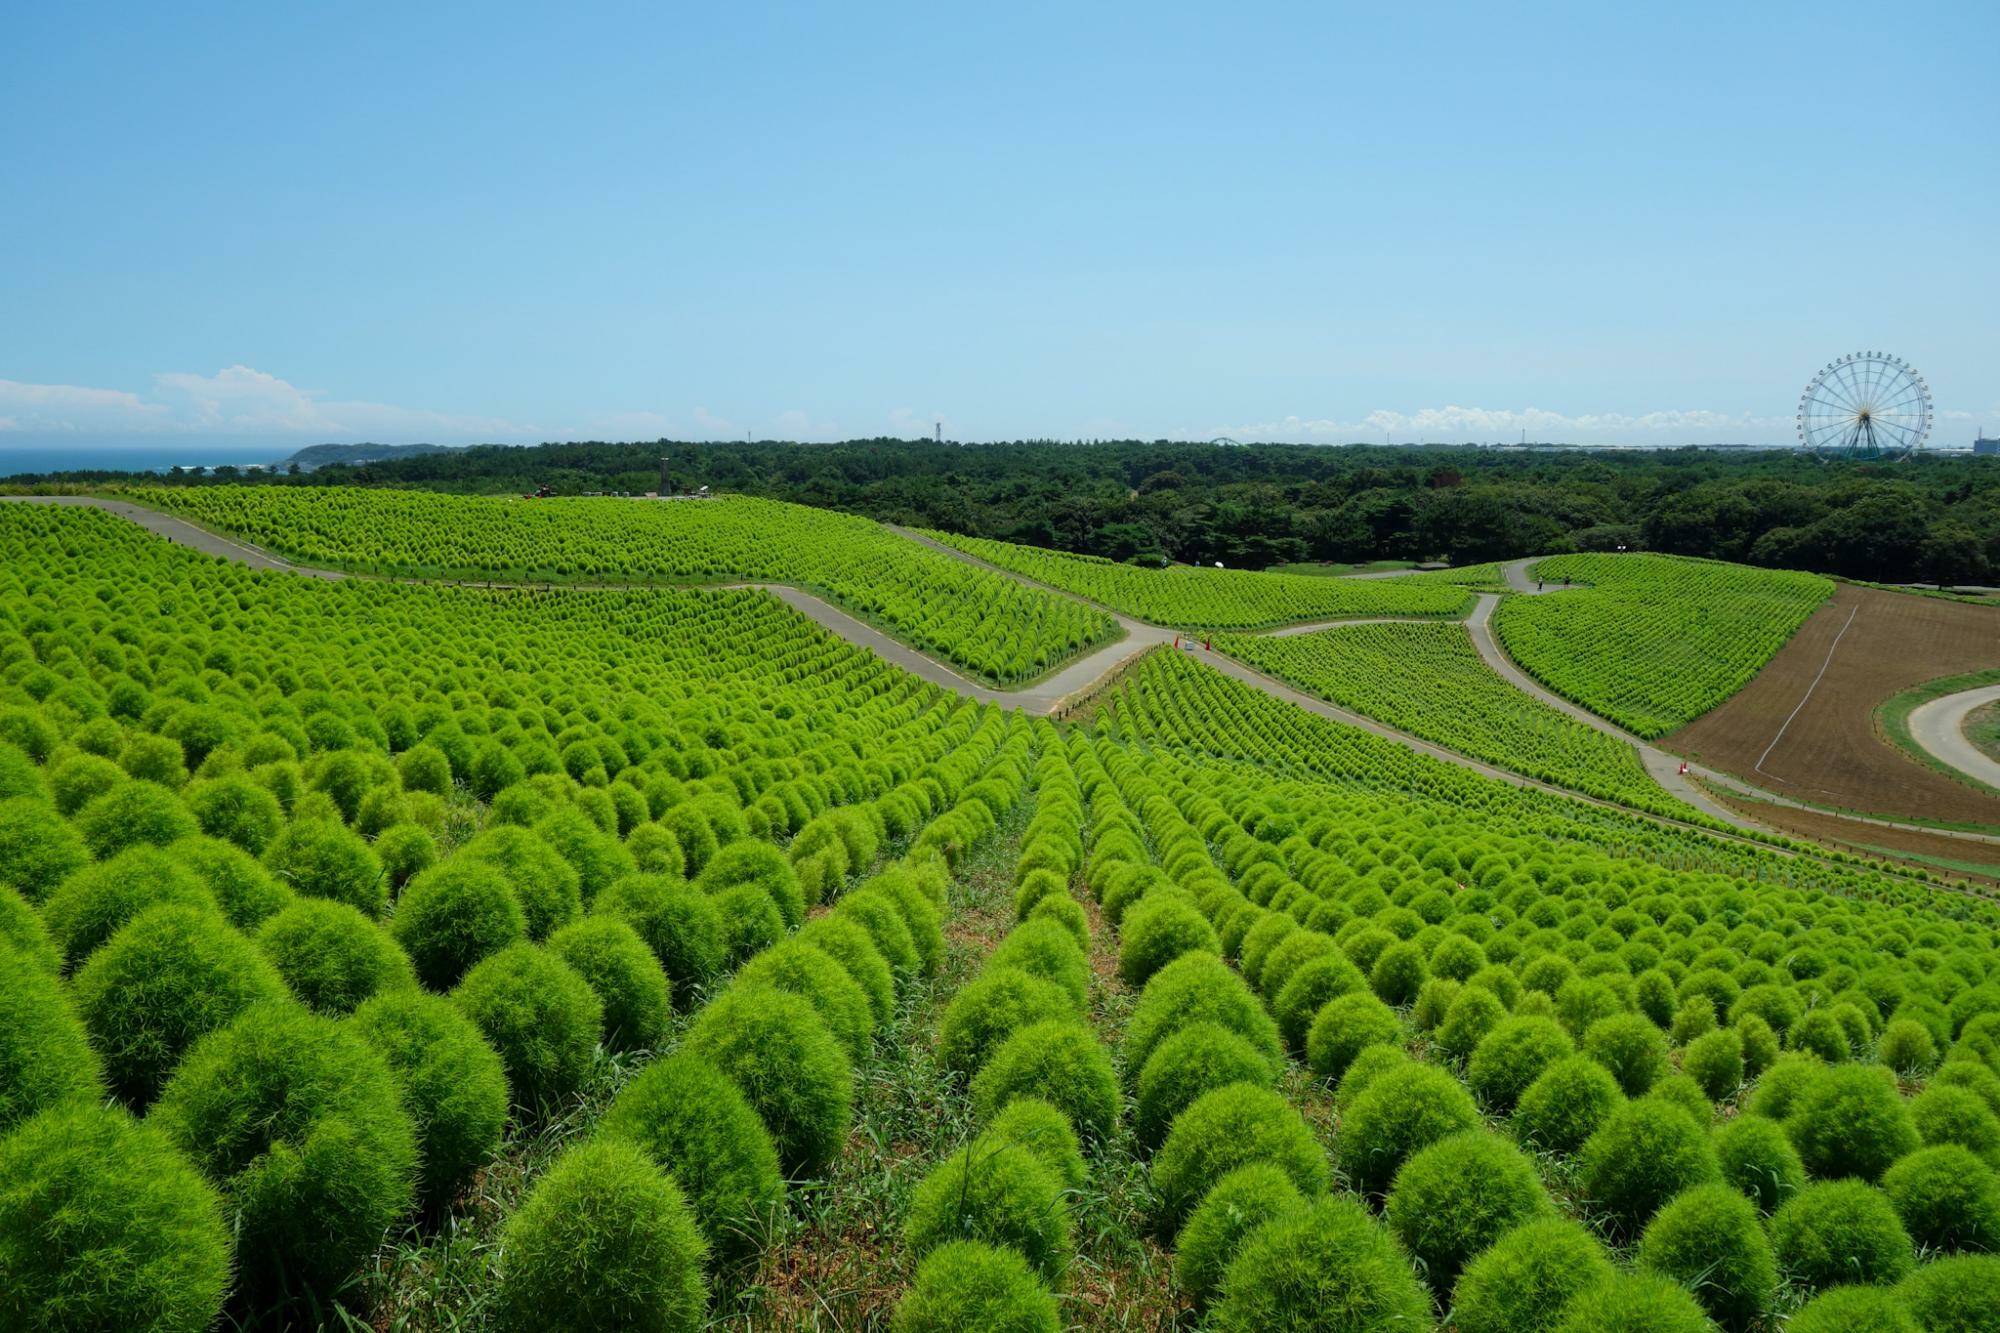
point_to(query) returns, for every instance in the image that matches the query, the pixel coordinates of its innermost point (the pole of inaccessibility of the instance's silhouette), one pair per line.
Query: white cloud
(1454, 424)
(238, 400)
(72, 407)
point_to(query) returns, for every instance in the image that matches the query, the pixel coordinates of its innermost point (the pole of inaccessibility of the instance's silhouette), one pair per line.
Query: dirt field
(1970, 860)
(1831, 753)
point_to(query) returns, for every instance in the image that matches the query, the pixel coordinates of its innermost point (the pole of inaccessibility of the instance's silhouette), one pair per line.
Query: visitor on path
(1538, 585)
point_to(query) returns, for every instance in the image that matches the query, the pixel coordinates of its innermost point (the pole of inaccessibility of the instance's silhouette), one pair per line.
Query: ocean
(134, 457)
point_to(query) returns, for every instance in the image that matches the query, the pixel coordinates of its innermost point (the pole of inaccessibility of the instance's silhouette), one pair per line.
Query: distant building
(1986, 448)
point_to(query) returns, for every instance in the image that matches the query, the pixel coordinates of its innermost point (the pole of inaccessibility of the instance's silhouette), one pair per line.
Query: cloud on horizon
(254, 404)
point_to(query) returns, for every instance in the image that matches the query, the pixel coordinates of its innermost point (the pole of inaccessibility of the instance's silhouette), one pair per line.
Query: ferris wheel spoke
(1864, 381)
(1865, 374)
(1851, 392)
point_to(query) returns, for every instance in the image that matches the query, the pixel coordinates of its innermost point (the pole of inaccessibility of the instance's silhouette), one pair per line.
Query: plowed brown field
(1896, 844)
(1831, 753)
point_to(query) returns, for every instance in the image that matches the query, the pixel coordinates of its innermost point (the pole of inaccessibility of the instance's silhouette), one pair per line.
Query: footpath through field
(1939, 726)
(1666, 768)
(1078, 679)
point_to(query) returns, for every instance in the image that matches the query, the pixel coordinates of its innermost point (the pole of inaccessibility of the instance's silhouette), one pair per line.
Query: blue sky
(454, 222)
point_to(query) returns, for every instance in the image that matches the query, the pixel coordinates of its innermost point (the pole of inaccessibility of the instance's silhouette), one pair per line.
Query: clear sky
(456, 222)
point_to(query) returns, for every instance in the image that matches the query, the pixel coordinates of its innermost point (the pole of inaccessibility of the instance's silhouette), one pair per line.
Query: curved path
(1666, 769)
(1662, 767)
(1048, 696)
(1939, 726)
(1080, 677)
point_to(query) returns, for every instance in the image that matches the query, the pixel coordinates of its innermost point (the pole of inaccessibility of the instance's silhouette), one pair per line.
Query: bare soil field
(1955, 857)
(1831, 751)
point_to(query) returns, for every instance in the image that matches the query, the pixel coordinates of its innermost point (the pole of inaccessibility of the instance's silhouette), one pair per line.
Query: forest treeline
(1932, 519)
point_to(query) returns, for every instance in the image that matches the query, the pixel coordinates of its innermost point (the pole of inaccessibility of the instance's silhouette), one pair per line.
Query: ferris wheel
(1865, 405)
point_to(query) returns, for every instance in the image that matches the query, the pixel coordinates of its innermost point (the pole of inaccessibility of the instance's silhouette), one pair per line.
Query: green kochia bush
(755, 862)
(539, 1014)
(303, 1127)
(1907, 1047)
(1062, 1062)
(1195, 1060)
(1854, 1309)
(103, 1225)
(1044, 949)
(454, 914)
(603, 1241)
(21, 930)
(325, 859)
(1454, 1198)
(787, 1064)
(37, 852)
(815, 978)
(1523, 1282)
(997, 1193)
(988, 1010)
(697, 1126)
(600, 859)
(1956, 1115)
(332, 956)
(1297, 1269)
(1955, 1295)
(245, 891)
(1512, 1056)
(1192, 989)
(1635, 1303)
(453, 1083)
(1711, 1239)
(1031, 1123)
(1566, 1105)
(1948, 1198)
(1758, 1159)
(1343, 1027)
(170, 976)
(680, 924)
(628, 979)
(1405, 1109)
(90, 906)
(543, 882)
(1235, 1206)
(966, 1285)
(1228, 1128)
(1311, 987)
(1840, 1231)
(1631, 1048)
(1647, 1152)
(133, 813)
(854, 949)
(1780, 1086)
(751, 922)
(1715, 1062)
(45, 1054)
(1158, 929)
(1849, 1120)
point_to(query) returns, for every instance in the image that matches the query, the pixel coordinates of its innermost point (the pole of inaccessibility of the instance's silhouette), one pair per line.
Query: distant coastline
(165, 455)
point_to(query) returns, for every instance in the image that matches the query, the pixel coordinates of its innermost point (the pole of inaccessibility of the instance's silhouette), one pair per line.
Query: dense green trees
(1267, 504)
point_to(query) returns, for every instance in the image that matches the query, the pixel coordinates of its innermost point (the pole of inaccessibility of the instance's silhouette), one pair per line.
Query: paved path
(1939, 727)
(1666, 768)
(1516, 574)
(1071, 682)
(180, 532)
